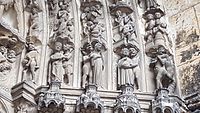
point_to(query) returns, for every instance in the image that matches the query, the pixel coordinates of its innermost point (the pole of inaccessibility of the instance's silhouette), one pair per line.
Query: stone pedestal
(90, 101)
(51, 101)
(127, 102)
(163, 103)
(23, 97)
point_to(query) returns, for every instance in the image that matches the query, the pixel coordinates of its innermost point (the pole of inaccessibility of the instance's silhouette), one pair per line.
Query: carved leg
(84, 80)
(1, 10)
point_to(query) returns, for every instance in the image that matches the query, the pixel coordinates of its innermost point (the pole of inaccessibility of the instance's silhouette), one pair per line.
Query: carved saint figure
(30, 62)
(97, 64)
(126, 72)
(56, 59)
(67, 64)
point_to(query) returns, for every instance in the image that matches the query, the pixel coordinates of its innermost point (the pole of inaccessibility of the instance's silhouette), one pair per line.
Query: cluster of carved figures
(93, 49)
(157, 47)
(61, 41)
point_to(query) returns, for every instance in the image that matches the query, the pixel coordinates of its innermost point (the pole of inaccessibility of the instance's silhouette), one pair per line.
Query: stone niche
(88, 56)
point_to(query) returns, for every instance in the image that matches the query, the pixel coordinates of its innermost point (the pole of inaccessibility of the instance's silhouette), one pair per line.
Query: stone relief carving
(31, 60)
(61, 22)
(94, 43)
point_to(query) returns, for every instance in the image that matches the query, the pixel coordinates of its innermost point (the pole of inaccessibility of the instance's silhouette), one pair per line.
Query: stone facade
(93, 56)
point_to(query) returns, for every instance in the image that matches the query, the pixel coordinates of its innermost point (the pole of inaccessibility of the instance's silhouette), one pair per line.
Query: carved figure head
(161, 50)
(133, 52)
(158, 15)
(3, 50)
(118, 13)
(31, 46)
(58, 46)
(98, 46)
(125, 52)
(150, 16)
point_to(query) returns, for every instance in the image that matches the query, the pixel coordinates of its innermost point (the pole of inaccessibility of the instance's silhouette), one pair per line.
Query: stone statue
(126, 65)
(4, 5)
(86, 69)
(164, 69)
(30, 62)
(56, 59)
(34, 24)
(67, 65)
(150, 24)
(97, 64)
(135, 59)
(53, 8)
(160, 31)
(97, 30)
(126, 26)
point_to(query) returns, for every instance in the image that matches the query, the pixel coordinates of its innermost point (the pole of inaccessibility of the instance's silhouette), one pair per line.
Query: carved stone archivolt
(10, 47)
(93, 43)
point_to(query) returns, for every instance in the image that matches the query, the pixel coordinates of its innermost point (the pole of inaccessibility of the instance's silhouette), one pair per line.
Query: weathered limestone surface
(97, 56)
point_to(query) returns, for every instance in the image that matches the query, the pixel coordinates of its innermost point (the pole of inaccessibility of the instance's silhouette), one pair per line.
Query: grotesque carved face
(58, 46)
